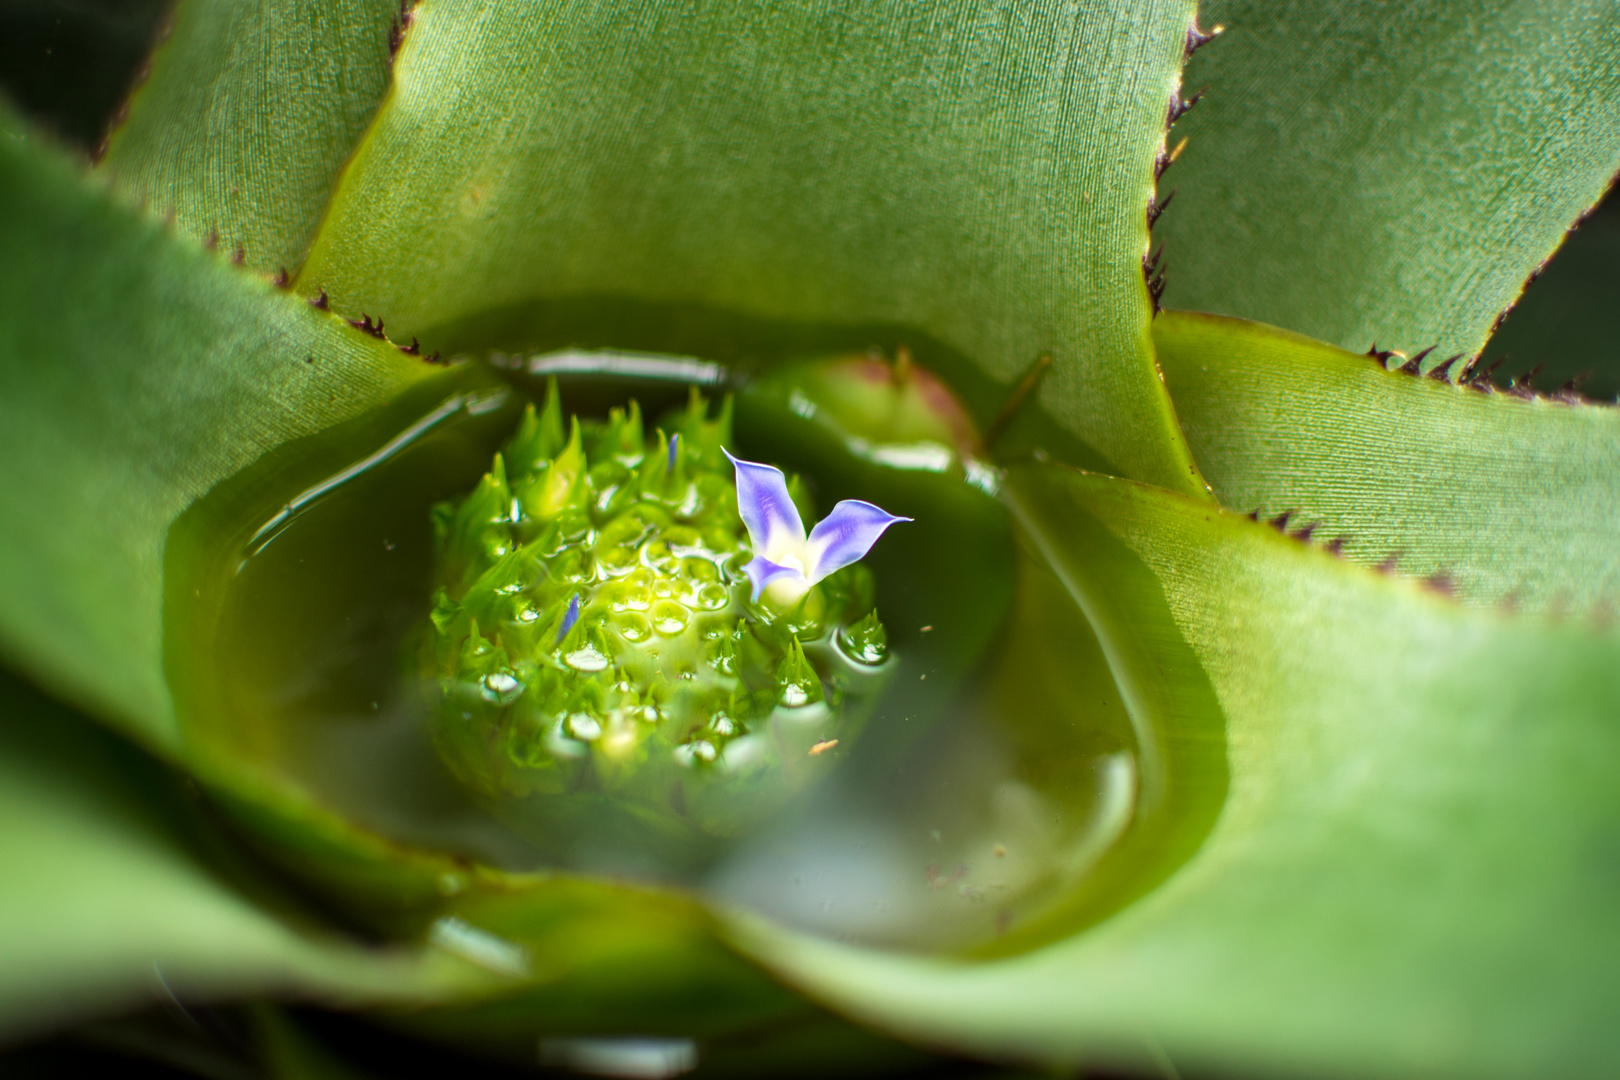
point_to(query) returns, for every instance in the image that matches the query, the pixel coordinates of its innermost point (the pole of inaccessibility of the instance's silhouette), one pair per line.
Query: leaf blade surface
(1405, 877)
(135, 372)
(106, 907)
(247, 117)
(1368, 175)
(1508, 500)
(976, 172)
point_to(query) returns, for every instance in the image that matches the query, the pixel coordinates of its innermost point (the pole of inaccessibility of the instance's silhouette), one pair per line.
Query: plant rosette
(1237, 695)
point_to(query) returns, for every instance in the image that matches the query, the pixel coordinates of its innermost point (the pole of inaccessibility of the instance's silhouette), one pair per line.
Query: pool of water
(995, 772)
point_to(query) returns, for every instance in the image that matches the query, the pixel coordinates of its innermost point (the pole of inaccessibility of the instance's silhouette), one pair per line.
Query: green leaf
(1415, 870)
(1368, 175)
(963, 170)
(105, 908)
(135, 372)
(248, 115)
(1506, 499)
(138, 373)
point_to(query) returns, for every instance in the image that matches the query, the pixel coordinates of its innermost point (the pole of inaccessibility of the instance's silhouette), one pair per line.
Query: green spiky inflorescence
(671, 698)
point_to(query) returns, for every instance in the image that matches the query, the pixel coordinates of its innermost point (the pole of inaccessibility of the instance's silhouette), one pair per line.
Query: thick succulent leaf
(959, 169)
(1567, 324)
(1500, 497)
(135, 371)
(105, 908)
(1414, 872)
(1367, 174)
(248, 114)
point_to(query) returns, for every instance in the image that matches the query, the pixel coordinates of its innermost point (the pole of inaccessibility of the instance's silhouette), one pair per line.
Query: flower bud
(596, 649)
(885, 402)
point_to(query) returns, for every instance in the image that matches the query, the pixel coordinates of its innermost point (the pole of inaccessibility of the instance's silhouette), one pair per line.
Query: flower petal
(846, 535)
(761, 572)
(766, 507)
(570, 617)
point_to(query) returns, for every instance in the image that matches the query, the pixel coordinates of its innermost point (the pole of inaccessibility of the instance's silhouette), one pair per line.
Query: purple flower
(570, 617)
(786, 562)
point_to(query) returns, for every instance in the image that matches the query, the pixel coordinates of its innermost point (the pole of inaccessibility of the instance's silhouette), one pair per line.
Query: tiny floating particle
(823, 746)
(999, 851)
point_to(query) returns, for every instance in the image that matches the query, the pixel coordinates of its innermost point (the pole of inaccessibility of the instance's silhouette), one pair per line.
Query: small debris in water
(823, 746)
(999, 851)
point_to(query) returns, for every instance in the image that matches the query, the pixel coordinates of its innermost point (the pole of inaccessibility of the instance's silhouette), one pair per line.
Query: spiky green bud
(866, 641)
(594, 646)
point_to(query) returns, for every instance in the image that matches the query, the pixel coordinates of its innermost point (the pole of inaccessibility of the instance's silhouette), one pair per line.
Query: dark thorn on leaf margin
(1441, 582)
(366, 326)
(399, 28)
(1179, 107)
(1157, 206)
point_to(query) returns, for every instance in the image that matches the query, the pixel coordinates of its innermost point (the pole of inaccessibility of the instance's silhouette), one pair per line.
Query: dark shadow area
(237, 1042)
(69, 64)
(748, 343)
(1568, 321)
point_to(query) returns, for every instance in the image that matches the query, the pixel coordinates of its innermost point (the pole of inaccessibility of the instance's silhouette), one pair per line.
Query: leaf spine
(1179, 107)
(1157, 206)
(399, 28)
(1415, 364)
(1197, 39)
(1440, 582)
(366, 326)
(1441, 371)
(1520, 388)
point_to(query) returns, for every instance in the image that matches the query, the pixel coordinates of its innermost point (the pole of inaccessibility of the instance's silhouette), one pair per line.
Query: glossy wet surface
(996, 770)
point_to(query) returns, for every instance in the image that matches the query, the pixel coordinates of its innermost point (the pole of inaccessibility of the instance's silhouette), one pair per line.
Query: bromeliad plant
(1355, 601)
